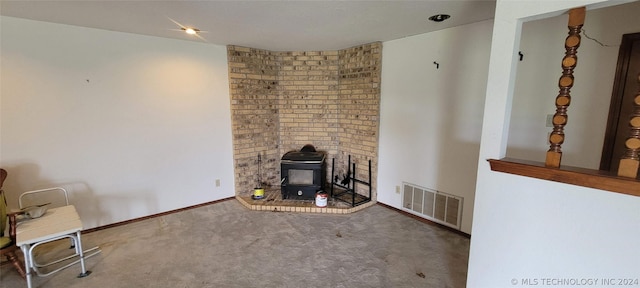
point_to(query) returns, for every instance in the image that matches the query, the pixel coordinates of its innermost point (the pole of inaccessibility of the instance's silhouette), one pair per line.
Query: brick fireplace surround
(281, 101)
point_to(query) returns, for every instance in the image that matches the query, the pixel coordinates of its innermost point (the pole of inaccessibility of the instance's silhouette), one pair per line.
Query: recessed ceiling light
(439, 17)
(190, 31)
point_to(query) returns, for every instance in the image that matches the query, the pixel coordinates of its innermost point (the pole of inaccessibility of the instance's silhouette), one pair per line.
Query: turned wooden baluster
(571, 44)
(630, 161)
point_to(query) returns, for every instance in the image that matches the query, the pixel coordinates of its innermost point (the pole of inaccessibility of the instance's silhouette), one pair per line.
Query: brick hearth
(273, 202)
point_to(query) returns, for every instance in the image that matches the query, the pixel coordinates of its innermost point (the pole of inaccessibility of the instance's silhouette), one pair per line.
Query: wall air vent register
(434, 205)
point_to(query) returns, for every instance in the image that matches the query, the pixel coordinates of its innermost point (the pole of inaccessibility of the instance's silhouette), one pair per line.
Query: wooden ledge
(597, 179)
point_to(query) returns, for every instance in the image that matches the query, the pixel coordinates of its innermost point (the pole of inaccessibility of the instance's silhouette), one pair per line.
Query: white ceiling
(272, 25)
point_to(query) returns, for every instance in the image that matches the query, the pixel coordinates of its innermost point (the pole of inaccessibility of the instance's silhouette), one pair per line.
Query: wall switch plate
(397, 189)
(549, 120)
(217, 182)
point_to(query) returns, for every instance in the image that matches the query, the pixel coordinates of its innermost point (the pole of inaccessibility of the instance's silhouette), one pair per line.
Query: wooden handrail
(597, 179)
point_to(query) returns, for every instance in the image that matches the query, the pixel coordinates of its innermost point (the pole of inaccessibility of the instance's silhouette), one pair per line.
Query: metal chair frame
(73, 238)
(66, 194)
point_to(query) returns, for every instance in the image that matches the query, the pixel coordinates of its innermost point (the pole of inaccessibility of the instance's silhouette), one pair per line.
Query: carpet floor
(226, 245)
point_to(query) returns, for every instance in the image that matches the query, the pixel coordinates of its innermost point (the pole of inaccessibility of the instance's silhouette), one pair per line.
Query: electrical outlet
(217, 182)
(549, 120)
(397, 189)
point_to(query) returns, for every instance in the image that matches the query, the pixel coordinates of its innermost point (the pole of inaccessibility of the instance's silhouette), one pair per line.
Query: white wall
(526, 228)
(536, 84)
(132, 125)
(431, 117)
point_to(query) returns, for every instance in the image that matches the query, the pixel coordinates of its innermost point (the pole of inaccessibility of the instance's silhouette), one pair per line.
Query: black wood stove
(302, 173)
